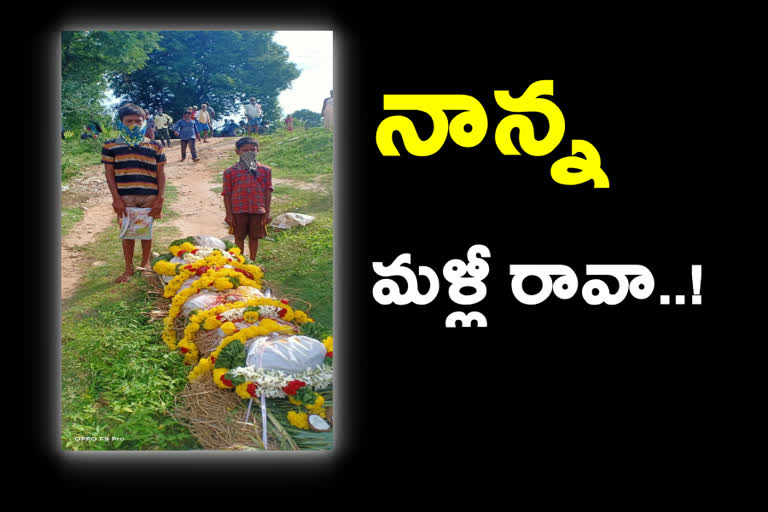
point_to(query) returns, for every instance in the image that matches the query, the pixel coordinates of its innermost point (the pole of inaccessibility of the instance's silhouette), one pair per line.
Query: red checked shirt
(248, 193)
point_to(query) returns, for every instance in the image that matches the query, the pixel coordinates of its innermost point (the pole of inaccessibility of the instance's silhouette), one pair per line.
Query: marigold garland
(213, 268)
(246, 390)
(216, 260)
(206, 280)
(314, 408)
(296, 418)
(208, 320)
(220, 379)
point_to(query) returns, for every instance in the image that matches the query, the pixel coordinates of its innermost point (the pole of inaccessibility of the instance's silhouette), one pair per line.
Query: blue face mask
(134, 135)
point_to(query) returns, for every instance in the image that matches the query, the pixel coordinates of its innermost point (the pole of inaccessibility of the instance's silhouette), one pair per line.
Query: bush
(77, 153)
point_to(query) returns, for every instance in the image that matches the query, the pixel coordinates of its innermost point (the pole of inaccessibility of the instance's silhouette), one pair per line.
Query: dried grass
(215, 417)
(207, 342)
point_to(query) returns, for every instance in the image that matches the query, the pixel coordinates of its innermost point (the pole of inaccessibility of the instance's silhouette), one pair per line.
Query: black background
(547, 389)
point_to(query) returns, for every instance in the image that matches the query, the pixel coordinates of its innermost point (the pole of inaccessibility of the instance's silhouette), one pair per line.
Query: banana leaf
(304, 439)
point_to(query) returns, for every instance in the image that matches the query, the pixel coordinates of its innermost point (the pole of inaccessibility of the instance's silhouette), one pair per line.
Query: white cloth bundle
(290, 354)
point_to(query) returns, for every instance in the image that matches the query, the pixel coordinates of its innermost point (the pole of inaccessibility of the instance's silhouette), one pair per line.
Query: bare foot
(122, 278)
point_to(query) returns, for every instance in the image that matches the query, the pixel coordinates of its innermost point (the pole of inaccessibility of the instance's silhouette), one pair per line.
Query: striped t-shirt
(135, 166)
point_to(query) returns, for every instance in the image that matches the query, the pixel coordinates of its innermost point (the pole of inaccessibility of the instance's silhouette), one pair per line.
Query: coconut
(329, 414)
(318, 424)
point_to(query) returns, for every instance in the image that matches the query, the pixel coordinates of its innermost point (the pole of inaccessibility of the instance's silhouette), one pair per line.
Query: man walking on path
(204, 121)
(186, 130)
(162, 123)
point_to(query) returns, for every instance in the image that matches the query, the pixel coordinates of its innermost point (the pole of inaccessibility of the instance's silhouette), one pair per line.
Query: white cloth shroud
(290, 354)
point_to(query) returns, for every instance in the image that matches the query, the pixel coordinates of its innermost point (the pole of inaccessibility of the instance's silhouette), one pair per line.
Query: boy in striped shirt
(134, 167)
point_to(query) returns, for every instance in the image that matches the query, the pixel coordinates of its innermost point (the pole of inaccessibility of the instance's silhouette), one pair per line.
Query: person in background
(135, 171)
(186, 130)
(150, 126)
(229, 128)
(327, 112)
(247, 195)
(204, 122)
(253, 114)
(91, 131)
(162, 123)
(289, 122)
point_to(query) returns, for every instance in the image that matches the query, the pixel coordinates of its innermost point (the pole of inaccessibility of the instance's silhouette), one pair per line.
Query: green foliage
(80, 103)
(77, 153)
(305, 439)
(220, 68)
(232, 356)
(236, 380)
(310, 119)
(179, 241)
(88, 60)
(305, 395)
(315, 330)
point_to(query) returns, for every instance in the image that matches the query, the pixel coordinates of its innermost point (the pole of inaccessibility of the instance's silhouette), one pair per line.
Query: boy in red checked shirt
(247, 196)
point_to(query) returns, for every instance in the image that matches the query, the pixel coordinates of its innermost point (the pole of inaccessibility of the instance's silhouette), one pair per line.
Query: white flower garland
(237, 313)
(232, 314)
(204, 252)
(271, 382)
(269, 312)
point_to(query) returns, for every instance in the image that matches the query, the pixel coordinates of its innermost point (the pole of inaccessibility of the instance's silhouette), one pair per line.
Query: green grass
(118, 377)
(299, 263)
(77, 153)
(308, 155)
(70, 217)
(171, 194)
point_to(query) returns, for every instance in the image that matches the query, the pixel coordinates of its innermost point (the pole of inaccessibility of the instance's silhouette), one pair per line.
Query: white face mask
(248, 159)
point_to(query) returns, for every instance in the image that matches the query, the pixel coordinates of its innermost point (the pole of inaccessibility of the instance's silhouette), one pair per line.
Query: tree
(311, 119)
(88, 61)
(221, 69)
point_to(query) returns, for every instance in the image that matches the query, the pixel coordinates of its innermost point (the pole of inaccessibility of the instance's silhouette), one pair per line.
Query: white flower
(271, 382)
(269, 312)
(232, 314)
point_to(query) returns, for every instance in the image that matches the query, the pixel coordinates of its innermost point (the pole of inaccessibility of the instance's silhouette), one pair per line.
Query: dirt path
(201, 210)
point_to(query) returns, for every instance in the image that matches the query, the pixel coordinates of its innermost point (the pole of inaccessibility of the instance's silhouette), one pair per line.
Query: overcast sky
(312, 52)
